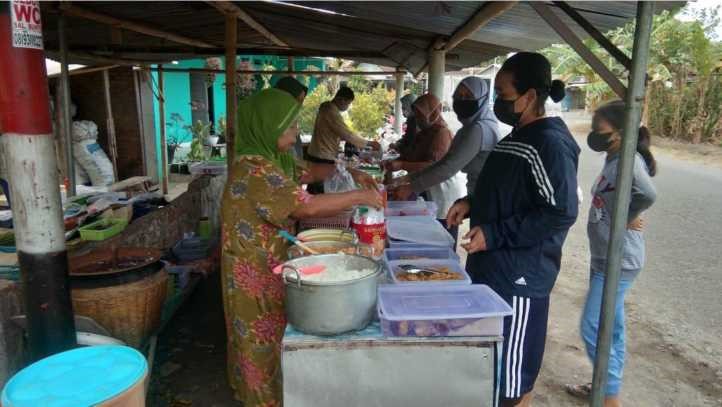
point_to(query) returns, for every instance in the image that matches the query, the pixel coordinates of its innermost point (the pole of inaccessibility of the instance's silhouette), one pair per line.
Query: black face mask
(599, 142)
(504, 111)
(465, 108)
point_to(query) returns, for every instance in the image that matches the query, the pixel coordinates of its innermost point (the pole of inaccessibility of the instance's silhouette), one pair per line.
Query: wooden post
(67, 128)
(110, 123)
(163, 146)
(231, 37)
(291, 65)
(397, 101)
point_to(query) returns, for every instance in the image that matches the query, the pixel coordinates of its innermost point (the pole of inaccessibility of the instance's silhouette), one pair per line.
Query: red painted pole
(30, 167)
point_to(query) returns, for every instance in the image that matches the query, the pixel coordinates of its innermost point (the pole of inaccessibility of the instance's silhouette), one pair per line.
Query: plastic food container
(424, 230)
(412, 208)
(452, 265)
(420, 253)
(473, 310)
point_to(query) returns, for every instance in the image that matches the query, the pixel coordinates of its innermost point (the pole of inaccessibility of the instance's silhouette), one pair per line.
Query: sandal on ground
(582, 391)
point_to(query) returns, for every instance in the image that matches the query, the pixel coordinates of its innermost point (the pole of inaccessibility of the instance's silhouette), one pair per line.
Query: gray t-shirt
(600, 216)
(468, 152)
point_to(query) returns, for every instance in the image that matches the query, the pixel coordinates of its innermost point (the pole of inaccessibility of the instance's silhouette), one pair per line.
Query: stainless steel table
(367, 369)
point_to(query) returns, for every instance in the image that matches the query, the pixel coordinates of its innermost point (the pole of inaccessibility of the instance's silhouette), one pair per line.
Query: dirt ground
(662, 369)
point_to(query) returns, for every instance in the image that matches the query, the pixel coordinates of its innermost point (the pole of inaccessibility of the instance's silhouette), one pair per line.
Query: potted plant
(201, 132)
(173, 136)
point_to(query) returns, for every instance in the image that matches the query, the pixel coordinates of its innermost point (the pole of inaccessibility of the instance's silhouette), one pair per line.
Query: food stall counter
(367, 368)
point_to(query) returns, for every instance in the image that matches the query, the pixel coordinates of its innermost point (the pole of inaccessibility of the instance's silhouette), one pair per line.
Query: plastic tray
(112, 228)
(411, 208)
(423, 230)
(452, 264)
(473, 310)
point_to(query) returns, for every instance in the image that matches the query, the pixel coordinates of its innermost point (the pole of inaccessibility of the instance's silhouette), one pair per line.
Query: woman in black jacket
(523, 205)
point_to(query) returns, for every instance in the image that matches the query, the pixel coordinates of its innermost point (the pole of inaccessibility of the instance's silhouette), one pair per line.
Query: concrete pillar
(437, 67)
(30, 163)
(397, 105)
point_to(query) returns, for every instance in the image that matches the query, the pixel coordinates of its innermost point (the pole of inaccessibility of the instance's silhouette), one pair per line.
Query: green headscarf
(262, 118)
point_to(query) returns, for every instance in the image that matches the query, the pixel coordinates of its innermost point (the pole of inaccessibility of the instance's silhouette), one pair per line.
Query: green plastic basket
(110, 228)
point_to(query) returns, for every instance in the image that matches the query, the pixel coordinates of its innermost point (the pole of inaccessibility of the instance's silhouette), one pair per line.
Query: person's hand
(401, 180)
(476, 241)
(457, 213)
(374, 145)
(394, 165)
(402, 192)
(636, 225)
(364, 180)
(368, 197)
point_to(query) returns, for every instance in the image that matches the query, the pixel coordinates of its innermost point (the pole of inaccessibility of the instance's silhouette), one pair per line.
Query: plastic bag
(93, 160)
(84, 130)
(445, 194)
(340, 181)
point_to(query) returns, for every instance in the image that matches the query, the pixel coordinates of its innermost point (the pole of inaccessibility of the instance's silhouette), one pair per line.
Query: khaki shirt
(329, 130)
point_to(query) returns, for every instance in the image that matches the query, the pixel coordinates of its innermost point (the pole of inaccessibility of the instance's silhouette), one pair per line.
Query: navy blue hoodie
(525, 201)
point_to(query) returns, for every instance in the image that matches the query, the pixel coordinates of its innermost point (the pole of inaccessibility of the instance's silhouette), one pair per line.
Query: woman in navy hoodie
(523, 205)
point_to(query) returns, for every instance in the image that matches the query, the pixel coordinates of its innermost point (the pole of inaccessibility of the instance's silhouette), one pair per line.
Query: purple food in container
(472, 310)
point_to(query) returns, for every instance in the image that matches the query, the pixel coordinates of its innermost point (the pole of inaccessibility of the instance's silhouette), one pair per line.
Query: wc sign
(27, 30)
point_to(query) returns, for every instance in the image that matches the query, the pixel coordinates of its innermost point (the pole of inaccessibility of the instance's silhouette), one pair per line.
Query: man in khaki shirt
(330, 129)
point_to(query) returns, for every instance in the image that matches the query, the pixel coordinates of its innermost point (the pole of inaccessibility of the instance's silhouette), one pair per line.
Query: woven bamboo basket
(130, 312)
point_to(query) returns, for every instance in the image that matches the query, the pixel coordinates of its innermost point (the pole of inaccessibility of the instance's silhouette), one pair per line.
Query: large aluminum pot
(330, 308)
(331, 247)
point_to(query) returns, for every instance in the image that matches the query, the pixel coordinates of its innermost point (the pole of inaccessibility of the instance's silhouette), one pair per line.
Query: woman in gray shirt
(606, 136)
(471, 144)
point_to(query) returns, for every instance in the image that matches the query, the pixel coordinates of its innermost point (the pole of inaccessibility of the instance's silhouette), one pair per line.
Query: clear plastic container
(412, 208)
(473, 310)
(420, 253)
(452, 265)
(424, 230)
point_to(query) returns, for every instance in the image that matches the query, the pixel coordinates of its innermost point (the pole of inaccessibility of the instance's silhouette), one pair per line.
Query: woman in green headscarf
(260, 199)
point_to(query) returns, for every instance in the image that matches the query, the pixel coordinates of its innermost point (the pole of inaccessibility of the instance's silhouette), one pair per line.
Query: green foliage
(369, 110)
(309, 111)
(684, 93)
(366, 115)
(176, 131)
(200, 131)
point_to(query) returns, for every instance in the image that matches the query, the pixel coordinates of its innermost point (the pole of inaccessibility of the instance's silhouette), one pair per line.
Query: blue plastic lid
(81, 377)
(403, 303)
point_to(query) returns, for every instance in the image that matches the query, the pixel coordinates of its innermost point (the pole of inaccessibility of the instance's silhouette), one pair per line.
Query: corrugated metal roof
(388, 33)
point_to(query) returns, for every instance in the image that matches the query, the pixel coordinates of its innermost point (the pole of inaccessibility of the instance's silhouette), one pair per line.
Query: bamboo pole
(110, 123)
(231, 38)
(81, 12)
(576, 43)
(486, 13)
(228, 8)
(67, 117)
(163, 145)
(259, 72)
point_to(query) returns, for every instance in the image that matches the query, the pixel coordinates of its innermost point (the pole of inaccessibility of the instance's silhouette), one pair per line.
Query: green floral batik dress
(257, 203)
